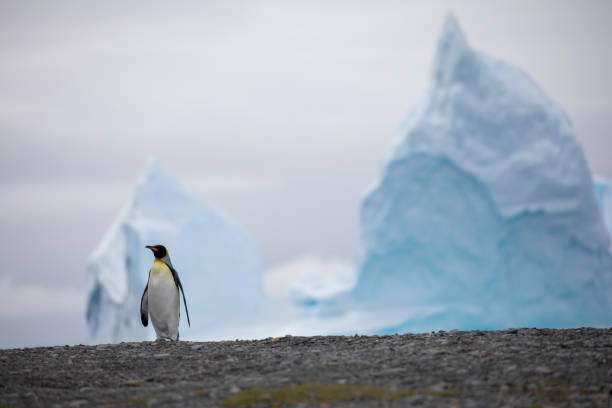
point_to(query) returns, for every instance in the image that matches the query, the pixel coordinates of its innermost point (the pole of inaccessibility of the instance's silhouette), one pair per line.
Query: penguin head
(159, 251)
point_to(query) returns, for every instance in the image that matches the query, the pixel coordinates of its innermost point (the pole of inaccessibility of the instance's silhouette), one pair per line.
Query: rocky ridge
(514, 367)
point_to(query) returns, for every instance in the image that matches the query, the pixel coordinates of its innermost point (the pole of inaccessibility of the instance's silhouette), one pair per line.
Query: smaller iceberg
(603, 193)
(217, 259)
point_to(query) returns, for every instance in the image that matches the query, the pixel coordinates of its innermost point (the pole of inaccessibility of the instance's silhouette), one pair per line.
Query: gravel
(512, 368)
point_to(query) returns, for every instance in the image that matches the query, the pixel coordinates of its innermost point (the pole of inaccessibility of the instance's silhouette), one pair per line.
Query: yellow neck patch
(160, 269)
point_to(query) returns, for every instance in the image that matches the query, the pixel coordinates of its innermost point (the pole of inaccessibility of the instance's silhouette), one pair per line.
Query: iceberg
(484, 216)
(603, 193)
(217, 260)
(320, 281)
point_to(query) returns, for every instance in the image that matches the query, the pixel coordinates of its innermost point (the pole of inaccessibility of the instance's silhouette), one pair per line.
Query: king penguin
(161, 298)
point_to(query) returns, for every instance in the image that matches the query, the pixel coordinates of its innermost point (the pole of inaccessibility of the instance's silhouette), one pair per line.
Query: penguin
(161, 298)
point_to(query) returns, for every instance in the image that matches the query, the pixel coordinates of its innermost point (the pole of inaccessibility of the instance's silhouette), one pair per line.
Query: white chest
(162, 289)
(163, 301)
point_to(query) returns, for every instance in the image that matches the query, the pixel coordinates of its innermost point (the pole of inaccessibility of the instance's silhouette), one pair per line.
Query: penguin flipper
(144, 306)
(179, 285)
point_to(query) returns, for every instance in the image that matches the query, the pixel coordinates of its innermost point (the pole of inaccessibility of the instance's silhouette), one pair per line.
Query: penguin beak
(151, 248)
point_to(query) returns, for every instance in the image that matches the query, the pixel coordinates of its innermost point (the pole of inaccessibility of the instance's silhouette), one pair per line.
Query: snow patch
(309, 279)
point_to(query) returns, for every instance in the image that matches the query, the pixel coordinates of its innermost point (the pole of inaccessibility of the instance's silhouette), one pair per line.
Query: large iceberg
(216, 258)
(484, 216)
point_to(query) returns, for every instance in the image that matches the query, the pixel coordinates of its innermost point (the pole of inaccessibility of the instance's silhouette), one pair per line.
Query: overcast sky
(279, 112)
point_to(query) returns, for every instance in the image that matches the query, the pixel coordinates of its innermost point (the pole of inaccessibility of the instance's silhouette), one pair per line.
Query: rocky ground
(514, 368)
